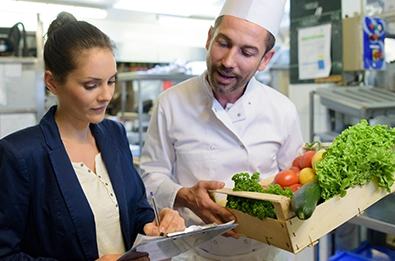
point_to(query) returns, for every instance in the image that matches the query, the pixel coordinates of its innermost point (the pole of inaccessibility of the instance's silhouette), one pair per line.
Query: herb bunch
(254, 207)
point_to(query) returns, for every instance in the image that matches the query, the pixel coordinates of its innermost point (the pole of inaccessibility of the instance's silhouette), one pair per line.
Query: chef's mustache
(226, 71)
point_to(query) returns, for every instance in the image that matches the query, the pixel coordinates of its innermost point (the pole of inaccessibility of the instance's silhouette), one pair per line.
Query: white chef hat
(266, 13)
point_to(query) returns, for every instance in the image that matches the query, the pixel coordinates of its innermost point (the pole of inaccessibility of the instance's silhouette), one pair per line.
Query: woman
(69, 190)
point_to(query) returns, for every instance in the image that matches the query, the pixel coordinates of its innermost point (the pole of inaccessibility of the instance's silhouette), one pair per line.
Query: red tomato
(295, 187)
(305, 161)
(296, 162)
(295, 169)
(286, 178)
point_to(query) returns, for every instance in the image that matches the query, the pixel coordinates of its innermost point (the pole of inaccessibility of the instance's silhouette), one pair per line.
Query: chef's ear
(50, 82)
(266, 59)
(209, 35)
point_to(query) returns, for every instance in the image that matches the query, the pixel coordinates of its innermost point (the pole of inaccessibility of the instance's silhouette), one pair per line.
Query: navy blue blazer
(44, 213)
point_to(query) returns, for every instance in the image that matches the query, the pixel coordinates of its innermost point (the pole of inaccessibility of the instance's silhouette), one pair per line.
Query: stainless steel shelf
(131, 76)
(375, 224)
(380, 216)
(137, 77)
(363, 102)
(13, 59)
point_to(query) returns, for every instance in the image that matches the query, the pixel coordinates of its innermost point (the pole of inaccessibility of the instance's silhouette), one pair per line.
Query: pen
(157, 218)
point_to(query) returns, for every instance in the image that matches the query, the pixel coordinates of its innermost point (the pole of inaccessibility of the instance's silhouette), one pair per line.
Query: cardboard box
(290, 233)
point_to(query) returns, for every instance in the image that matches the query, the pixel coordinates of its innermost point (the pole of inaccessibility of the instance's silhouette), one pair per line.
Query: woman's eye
(90, 86)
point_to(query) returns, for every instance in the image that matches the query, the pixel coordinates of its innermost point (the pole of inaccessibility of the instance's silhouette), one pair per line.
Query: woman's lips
(100, 109)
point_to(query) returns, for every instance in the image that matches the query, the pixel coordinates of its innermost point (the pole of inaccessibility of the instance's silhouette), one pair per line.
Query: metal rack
(136, 78)
(23, 91)
(363, 102)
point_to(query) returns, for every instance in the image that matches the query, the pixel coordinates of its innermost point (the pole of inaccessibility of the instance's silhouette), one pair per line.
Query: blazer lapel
(78, 206)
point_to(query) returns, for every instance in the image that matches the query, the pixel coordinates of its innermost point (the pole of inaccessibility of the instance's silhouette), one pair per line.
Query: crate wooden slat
(292, 234)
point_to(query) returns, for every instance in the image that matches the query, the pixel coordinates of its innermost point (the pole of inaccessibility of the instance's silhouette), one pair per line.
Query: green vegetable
(356, 156)
(254, 207)
(315, 145)
(305, 200)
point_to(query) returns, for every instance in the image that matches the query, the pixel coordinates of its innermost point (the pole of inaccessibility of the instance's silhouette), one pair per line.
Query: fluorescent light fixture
(51, 9)
(170, 7)
(183, 22)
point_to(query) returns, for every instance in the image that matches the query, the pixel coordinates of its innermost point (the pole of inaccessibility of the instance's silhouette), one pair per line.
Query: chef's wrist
(182, 198)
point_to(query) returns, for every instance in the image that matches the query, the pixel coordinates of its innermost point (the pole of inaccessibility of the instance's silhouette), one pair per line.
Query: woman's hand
(170, 221)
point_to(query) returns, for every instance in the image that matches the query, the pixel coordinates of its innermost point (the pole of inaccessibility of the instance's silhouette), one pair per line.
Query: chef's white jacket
(192, 138)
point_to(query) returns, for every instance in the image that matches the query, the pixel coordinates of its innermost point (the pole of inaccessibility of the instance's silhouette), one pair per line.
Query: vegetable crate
(290, 233)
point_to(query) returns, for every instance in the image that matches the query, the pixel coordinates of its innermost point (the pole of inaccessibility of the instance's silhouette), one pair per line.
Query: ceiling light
(44, 8)
(176, 21)
(170, 7)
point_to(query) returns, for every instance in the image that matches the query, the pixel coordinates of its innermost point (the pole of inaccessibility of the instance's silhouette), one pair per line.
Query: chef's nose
(230, 58)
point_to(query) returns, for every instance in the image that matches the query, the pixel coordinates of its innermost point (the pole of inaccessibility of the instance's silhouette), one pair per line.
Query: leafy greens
(257, 208)
(358, 155)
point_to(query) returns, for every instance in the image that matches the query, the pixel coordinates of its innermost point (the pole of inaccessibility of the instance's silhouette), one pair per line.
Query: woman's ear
(50, 82)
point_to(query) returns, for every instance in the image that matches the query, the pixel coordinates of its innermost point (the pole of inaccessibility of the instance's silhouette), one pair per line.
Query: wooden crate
(290, 233)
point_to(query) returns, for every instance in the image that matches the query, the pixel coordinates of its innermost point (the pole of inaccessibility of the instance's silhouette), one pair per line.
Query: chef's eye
(247, 54)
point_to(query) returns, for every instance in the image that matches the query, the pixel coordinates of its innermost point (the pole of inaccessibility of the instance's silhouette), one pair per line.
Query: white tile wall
(300, 95)
(15, 121)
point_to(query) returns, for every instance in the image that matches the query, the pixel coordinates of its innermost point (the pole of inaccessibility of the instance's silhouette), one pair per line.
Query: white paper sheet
(314, 44)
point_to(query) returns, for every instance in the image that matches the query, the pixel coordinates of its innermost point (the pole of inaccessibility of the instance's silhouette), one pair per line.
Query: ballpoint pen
(157, 218)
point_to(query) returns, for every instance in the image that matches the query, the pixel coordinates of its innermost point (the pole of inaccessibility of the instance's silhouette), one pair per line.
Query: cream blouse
(103, 202)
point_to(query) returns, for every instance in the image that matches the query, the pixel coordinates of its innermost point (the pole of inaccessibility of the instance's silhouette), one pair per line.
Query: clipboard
(175, 243)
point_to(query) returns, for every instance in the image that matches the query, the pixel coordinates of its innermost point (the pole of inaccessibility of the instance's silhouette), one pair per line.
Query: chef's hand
(135, 256)
(197, 199)
(170, 221)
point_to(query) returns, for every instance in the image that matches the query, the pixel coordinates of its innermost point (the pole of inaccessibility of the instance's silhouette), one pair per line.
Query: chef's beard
(217, 86)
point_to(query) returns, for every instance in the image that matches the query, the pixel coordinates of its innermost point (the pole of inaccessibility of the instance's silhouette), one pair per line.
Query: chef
(223, 122)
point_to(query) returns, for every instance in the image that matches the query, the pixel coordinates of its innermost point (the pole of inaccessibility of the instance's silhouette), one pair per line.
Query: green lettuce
(359, 154)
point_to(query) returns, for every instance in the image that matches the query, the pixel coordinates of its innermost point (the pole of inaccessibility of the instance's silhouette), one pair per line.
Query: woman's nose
(106, 93)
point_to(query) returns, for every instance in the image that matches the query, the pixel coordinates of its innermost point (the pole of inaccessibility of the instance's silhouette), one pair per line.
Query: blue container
(365, 252)
(376, 253)
(341, 255)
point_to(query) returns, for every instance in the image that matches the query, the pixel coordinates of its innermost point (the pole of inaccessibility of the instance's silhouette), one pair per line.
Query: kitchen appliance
(363, 43)
(10, 39)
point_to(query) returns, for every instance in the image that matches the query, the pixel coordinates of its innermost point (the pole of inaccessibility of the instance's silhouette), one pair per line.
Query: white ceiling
(89, 3)
(214, 8)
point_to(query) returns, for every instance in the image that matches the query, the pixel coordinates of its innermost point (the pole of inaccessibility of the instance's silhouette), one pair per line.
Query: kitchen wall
(139, 38)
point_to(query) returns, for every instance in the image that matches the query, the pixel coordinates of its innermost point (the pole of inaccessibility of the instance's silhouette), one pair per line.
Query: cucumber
(305, 200)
